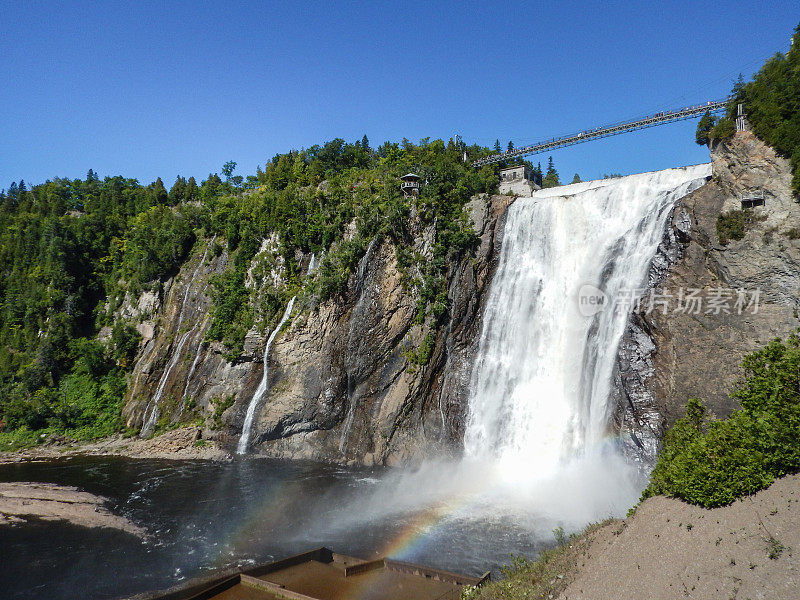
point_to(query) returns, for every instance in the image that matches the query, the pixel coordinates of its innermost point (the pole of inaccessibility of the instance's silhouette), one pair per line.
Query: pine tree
(365, 142)
(497, 147)
(190, 193)
(178, 190)
(551, 178)
(160, 192)
(576, 179)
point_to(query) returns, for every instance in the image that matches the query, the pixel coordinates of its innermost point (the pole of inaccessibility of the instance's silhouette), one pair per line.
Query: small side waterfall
(263, 386)
(152, 411)
(192, 369)
(542, 378)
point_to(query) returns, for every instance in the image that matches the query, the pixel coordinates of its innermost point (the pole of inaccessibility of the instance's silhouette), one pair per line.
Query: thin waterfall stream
(263, 385)
(152, 418)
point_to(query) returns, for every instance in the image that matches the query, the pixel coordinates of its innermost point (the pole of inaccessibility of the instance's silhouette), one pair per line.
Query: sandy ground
(670, 550)
(22, 500)
(184, 443)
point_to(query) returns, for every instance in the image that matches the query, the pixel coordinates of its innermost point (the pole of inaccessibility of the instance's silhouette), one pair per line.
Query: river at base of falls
(204, 517)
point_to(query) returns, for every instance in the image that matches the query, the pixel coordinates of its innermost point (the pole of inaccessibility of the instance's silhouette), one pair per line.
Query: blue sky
(148, 89)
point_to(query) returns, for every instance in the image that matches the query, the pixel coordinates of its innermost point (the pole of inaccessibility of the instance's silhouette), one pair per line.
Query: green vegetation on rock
(733, 225)
(772, 106)
(714, 462)
(70, 251)
(310, 198)
(77, 254)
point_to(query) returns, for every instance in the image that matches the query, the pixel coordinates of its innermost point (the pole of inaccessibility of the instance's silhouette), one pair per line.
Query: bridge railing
(601, 132)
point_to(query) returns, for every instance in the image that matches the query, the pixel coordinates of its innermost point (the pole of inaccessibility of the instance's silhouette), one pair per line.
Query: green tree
(177, 192)
(158, 241)
(576, 178)
(704, 127)
(228, 168)
(191, 192)
(160, 192)
(551, 177)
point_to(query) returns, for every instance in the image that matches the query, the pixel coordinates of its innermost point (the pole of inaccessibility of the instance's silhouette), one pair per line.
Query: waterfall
(192, 369)
(197, 353)
(541, 381)
(263, 386)
(151, 419)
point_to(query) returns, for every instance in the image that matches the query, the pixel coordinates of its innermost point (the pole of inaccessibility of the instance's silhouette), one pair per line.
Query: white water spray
(541, 383)
(263, 386)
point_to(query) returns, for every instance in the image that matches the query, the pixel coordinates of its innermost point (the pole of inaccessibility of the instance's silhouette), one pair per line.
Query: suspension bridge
(671, 116)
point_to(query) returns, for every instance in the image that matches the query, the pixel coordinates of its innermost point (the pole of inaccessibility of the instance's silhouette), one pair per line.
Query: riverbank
(180, 444)
(22, 500)
(669, 549)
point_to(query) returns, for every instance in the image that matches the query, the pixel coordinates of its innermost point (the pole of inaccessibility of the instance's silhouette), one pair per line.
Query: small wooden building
(410, 185)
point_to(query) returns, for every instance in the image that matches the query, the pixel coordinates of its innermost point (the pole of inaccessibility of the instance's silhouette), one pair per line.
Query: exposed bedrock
(340, 387)
(666, 358)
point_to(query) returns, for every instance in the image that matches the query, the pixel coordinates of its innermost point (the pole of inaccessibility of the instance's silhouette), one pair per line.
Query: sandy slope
(670, 550)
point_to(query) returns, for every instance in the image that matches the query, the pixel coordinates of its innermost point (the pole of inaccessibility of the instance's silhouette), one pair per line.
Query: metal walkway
(602, 132)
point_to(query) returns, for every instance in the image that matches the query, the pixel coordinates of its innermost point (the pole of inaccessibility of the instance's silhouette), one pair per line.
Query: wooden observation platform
(322, 574)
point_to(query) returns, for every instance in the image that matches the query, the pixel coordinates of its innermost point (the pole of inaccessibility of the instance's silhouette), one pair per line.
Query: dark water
(203, 517)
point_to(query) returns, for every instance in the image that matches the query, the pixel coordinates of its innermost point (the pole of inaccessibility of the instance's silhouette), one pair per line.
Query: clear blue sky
(148, 89)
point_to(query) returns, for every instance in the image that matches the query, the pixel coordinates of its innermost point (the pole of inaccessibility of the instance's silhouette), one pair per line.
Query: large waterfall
(541, 382)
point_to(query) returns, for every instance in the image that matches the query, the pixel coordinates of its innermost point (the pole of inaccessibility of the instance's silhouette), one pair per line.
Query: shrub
(734, 225)
(712, 463)
(723, 130)
(422, 355)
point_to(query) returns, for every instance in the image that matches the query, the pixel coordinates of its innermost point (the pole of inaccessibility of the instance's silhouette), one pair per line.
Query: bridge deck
(602, 132)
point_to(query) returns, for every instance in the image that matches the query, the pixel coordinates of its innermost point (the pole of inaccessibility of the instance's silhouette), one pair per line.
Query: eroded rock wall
(668, 357)
(341, 387)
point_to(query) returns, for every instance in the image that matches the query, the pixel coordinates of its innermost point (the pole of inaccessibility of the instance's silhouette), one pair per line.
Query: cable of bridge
(660, 118)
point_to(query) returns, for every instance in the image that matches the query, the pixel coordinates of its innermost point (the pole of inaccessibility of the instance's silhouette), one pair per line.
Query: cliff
(358, 379)
(341, 385)
(670, 355)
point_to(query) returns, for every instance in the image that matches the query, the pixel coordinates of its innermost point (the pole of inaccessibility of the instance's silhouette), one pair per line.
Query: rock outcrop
(669, 356)
(341, 385)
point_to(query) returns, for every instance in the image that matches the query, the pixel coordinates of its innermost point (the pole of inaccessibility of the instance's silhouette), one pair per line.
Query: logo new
(591, 300)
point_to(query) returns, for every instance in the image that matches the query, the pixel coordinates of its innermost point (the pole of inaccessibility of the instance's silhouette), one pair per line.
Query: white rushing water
(542, 378)
(535, 456)
(263, 385)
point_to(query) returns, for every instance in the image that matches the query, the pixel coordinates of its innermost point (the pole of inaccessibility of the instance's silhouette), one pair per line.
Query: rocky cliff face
(670, 356)
(341, 387)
